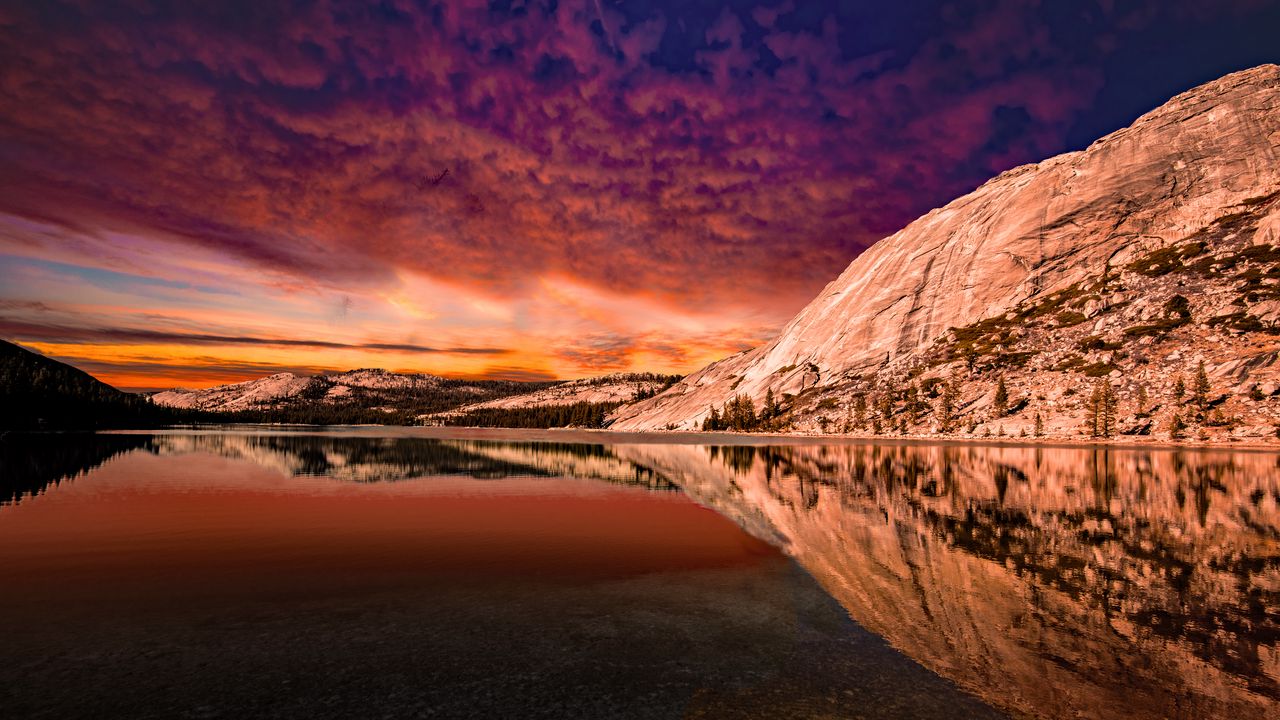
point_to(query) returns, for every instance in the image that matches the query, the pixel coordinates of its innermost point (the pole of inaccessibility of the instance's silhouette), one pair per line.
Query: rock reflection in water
(30, 463)
(1052, 582)
(1062, 582)
(385, 459)
(250, 574)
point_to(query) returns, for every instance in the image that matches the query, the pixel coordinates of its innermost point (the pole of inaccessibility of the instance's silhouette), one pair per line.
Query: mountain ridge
(383, 396)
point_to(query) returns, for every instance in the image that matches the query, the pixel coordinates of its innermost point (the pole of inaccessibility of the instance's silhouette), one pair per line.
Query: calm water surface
(402, 573)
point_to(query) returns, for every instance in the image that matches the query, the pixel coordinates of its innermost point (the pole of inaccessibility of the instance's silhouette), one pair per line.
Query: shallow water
(411, 573)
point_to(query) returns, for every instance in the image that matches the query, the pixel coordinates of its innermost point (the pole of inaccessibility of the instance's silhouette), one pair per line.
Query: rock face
(283, 387)
(367, 387)
(614, 388)
(404, 397)
(236, 396)
(1206, 165)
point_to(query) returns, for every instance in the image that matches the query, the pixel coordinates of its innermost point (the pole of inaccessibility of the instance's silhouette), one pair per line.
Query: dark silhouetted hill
(39, 393)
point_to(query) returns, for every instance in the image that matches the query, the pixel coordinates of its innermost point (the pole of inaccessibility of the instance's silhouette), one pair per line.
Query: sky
(194, 193)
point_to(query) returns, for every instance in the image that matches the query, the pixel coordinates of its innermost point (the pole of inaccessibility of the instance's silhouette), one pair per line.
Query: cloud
(140, 375)
(514, 373)
(301, 143)
(74, 335)
(604, 351)
(729, 160)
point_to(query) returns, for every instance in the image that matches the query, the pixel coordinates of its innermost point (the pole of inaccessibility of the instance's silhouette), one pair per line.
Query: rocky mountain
(283, 388)
(583, 403)
(371, 395)
(1154, 250)
(614, 389)
(236, 396)
(365, 395)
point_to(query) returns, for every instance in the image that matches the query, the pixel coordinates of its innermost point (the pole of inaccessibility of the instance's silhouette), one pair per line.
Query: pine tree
(1001, 401)
(884, 405)
(1179, 390)
(1142, 400)
(947, 407)
(1100, 412)
(1109, 407)
(1177, 426)
(1039, 431)
(911, 399)
(1091, 412)
(740, 414)
(860, 411)
(712, 421)
(772, 408)
(1200, 392)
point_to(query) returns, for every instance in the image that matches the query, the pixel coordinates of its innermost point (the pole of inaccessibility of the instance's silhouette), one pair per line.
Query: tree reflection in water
(1054, 582)
(1051, 581)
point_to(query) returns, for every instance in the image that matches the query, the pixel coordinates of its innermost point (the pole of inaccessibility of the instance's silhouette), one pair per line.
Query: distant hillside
(366, 396)
(575, 403)
(389, 398)
(617, 388)
(39, 393)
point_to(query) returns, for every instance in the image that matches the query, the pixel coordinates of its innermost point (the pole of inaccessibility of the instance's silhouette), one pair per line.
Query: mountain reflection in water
(247, 575)
(29, 465)
(1057, 582)
(1051, 582)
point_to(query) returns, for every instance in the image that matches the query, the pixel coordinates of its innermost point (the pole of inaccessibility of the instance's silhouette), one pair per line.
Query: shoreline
(690, 437)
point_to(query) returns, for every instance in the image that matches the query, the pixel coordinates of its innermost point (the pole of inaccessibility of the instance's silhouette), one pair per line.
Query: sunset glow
(519, 190)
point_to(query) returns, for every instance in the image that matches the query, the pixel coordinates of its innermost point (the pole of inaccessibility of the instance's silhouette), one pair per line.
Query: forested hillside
(39, 393)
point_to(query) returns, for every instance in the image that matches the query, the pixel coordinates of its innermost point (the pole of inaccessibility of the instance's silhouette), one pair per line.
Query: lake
(395, 572)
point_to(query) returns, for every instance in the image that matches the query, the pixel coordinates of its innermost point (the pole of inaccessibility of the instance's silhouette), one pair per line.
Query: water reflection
(214, 576)
(30, 463)
(1055, 582)
(375, 459)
